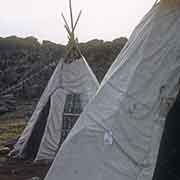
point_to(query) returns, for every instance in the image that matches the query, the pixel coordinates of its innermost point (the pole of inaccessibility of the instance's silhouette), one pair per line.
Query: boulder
(4, 151)
(10, 143)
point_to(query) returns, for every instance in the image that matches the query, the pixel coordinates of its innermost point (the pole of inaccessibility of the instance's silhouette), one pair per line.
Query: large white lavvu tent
(70, 88)
(118, 134)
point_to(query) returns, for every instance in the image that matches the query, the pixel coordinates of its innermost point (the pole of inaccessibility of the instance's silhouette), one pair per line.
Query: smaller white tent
(117, 136)
(70, 88)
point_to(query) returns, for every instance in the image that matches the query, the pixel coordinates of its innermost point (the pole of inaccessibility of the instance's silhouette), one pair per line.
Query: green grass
(10, 129)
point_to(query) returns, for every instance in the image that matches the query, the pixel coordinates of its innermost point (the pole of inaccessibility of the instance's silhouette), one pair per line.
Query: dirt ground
(22, 170)
(11, 126)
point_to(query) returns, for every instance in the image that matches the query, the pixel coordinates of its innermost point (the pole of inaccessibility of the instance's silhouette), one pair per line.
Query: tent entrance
(32, 146)
(72, 111)
(167, 167)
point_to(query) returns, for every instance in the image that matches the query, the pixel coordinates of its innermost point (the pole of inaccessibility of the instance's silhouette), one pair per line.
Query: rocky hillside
(26, 65)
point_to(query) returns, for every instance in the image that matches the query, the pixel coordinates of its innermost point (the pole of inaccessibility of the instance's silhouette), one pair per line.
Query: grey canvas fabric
(118, 134)
(75, 77)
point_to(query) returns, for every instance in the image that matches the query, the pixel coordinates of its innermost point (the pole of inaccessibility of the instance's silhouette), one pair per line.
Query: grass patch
(10, 129)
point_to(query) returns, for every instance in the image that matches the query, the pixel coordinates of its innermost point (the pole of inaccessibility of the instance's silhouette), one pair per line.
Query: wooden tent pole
(71, 15)
(77, 20)
(70, 28)
(66, 24)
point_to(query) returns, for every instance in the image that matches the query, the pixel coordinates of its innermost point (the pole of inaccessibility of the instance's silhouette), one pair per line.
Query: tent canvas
(118, 134)
(70, 88)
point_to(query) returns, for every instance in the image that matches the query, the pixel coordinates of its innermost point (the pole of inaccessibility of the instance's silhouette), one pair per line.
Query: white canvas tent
(117, 136)
(70, 88)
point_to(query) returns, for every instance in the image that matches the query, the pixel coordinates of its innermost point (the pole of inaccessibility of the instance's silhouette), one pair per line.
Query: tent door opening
(34, 141)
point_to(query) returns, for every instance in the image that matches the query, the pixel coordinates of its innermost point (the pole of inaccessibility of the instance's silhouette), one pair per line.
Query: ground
(11, 126)
(17, 170)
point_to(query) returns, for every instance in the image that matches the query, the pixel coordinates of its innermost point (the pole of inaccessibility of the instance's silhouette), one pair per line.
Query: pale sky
(101, 19)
